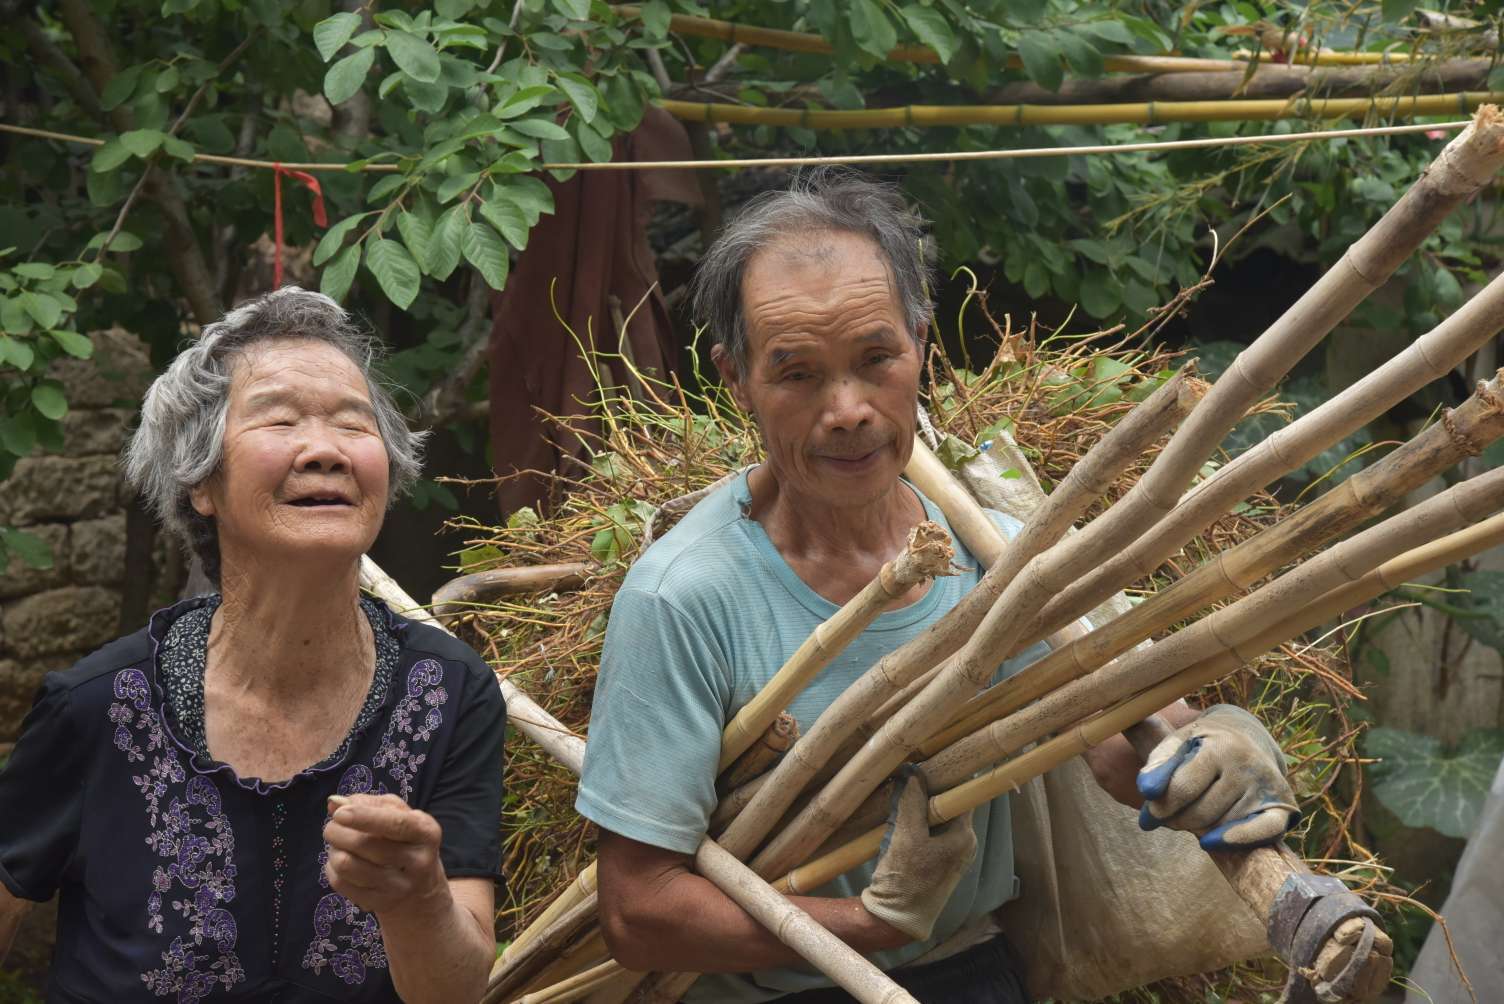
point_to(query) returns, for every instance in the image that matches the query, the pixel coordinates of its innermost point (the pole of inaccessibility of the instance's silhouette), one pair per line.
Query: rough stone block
(52, 488)
(19, 578)
(97, 550)
(19, 679)
(116, 376)
(61, 620)
(95, 430)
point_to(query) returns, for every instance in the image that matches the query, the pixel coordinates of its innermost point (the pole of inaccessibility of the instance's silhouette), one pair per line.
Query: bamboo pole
(1433, 355)
(810, 44)
(522, 966)
(1143, 113)
(761, 755)
(1480, 419)
(1231, 627)
(1122, 445)
(1050, 754)
(927, 555)
(582, 886)
(575, 987)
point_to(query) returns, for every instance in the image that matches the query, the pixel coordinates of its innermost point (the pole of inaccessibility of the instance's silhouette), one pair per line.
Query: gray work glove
(1222, 776)
(918, 868)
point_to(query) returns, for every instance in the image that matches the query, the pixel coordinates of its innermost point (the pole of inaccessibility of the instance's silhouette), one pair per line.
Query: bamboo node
(1486, 392)
(1464, 442)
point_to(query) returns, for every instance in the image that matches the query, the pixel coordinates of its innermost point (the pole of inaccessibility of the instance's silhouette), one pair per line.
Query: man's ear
(921, 339)
(730, 376)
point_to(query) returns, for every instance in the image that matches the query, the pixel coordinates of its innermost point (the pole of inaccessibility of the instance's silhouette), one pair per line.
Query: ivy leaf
(48, 398)
(581, 94)
(331, 34)
(417, 232)
(444, 245)
(1041, 59)
(395, 271)
(109, 156)
(142, 142)
(347, 76)
(413, 56)
(508, 218)
(73, 343)
(487, 253)
(1100, 294)
(539, 129)
(931, 28)
(30, 548)
(871, 29)
(1484, 603)
(338, 274)
(43, 309)
(334, 237)
(1426, 785)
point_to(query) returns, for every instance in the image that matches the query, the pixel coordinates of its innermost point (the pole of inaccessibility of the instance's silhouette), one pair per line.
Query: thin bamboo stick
(1050, 754)
(1479, 420)
(1477, 157)
(1231, 627)
(927, 555)
(576, 987)
(539, 953)
(1143, 113)
(578, 889)
(1123, 444)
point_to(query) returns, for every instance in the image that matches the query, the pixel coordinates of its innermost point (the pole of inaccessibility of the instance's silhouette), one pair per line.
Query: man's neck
(286, 632)
(808, 529)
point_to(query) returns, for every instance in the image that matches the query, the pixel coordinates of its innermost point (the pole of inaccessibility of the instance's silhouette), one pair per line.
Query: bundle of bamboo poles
(928, 700)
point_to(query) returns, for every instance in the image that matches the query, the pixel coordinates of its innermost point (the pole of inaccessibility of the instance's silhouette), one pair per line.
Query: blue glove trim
(1154, 782)
(1148, 820)
(901, 778)
(1213, 839)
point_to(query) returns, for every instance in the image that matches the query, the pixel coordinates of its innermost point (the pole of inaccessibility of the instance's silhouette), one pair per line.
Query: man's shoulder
(704, 554)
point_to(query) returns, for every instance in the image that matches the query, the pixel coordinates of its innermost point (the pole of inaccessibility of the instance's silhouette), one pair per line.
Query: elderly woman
(282, 791)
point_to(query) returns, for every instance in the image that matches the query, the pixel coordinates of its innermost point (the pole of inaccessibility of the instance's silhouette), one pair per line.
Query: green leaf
(870, 28)
(455, 184)
(48, 398)
(43, 309)
(487, 253)
(931, 28)
(417, 232)
(120, 88)
(35, 270)
(73, 343)
(444, 248)
(395, 271)
(1082, 56)
(581, 94)
(575, 10)
(18, 433)
(109, 156)
(1426, 785)
(338, 274)
(334, 237)
(331, 34)
(1041, 59)
(1100, 294)
(142, 142)
(533, 196)
(177, 148)
(348, 76)
(30, 548)
(1398, 10)
(539, 129)
(656, 18)
(18, 354)
(167, 80)
(1484, 604)
(1109, 30)
(597, 149)
(508, 218)
(524, 101)
(413, 56)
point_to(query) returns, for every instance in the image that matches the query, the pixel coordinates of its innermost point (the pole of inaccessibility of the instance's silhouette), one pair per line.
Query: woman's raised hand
(384, 855)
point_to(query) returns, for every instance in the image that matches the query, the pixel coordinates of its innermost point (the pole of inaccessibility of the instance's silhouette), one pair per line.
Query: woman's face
(305, 472)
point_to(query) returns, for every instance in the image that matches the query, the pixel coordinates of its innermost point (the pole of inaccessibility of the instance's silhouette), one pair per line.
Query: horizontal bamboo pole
(1091, 732)
(1114, 453)
(1231, 627)
(1461, 433)
(811, 44)
(517, 968)
(575, 987)
(1145, 113)
(927, 555)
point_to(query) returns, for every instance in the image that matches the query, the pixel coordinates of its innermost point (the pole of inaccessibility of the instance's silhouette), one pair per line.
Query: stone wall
(75, 501)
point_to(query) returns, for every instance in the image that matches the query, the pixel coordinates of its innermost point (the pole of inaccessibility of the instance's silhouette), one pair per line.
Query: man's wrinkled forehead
(820, 269)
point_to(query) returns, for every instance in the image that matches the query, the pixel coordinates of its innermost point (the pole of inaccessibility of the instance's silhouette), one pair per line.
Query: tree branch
(71, 77)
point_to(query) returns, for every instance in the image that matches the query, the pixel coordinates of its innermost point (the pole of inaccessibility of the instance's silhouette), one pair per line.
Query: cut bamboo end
(775, 741)
(929, 554)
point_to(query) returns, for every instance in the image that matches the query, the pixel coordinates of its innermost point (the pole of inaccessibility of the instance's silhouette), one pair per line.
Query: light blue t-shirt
(703, 620)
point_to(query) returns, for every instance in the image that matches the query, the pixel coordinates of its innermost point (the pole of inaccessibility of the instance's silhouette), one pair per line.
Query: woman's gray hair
(180, 441)
(819, 201)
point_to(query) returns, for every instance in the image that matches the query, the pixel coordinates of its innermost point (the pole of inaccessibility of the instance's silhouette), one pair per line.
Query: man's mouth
(852, 459)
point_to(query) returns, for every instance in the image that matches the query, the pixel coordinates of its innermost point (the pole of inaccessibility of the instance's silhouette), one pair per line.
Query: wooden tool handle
(1258, 876)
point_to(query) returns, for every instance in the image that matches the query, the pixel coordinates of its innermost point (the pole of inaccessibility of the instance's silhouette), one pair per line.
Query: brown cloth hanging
(592, 248)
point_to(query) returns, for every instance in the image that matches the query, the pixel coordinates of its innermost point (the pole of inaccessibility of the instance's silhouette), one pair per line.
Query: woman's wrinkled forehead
(289, 368)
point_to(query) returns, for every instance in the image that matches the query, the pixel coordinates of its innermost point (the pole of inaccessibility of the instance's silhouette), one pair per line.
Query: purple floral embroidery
(346, 938)
(191, 834)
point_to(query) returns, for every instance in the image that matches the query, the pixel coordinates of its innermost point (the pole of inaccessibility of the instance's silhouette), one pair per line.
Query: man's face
(832, 374)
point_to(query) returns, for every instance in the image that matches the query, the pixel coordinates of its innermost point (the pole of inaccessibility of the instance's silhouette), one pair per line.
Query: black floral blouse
(180, 880)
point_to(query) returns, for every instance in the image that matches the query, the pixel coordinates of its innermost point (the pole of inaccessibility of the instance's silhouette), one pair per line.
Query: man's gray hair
(819, 201)
(180, 441)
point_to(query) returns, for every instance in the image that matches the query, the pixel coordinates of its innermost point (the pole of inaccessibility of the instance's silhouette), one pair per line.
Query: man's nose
(847, 407)
(321, 452)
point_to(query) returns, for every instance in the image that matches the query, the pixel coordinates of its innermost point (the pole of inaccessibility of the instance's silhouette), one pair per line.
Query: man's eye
(795, 375)
(879, 357)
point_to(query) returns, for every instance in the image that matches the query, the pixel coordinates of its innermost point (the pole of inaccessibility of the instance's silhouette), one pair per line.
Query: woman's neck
(280, 631)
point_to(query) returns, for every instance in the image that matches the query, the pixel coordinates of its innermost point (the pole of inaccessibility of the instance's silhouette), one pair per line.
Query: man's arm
(657, 914)
(1115, 765)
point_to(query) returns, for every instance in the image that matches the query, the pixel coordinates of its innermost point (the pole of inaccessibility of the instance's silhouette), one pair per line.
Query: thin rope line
(869, 158)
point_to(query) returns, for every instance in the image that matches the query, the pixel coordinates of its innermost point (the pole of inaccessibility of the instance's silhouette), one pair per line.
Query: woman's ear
(202, 499)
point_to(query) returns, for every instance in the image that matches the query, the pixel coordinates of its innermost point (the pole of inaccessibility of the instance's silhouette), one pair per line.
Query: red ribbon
(319, 216)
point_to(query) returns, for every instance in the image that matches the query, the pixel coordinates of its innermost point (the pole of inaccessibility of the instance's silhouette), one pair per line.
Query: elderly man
(818, 298)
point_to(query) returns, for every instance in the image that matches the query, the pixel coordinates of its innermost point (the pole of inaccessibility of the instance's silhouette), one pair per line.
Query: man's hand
(1223, 777)
(384, 855)
(919, 868)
